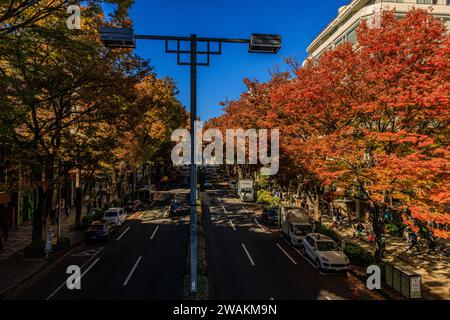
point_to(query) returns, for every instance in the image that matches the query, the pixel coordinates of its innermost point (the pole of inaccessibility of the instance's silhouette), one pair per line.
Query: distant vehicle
(179, 208)
(133, 206)
(207, 184)
(325, 253)
(115, 215)
(295, 224)
(233, 184)
(246, 190)
(99, 230)
(270, 215)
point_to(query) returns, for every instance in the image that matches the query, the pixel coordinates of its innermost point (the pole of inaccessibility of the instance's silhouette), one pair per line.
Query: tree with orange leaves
(373, 119)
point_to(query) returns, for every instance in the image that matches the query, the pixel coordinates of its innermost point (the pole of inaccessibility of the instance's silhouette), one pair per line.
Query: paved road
(248, 260)
(145, 259)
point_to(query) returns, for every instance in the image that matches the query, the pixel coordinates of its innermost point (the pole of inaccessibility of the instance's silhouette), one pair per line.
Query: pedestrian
(66, 211)
(431, 240)
(340, 219)
(412, 241)
(89, 207)
(334, 222)
(52, 216)
(5, 229)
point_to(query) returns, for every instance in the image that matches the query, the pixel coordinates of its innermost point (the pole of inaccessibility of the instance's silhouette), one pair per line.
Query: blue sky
(298, 21)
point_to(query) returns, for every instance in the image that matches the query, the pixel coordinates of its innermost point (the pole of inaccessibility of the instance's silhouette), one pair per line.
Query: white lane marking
(86, 263)
(328, 298)
(245, 210)
(132, 271)
(259, 225)
(123, 233)
(224, 210)
(248, 254)
(165, 213)
(154, 233)
(232, 224)
(287, 254)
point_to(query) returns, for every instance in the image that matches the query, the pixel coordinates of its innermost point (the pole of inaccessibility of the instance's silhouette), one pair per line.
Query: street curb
(38, 270)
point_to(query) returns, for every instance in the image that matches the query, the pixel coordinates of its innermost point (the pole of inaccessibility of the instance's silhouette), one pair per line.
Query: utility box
(405, 282)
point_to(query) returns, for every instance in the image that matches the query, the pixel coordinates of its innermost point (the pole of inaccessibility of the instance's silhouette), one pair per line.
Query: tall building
(343, 27)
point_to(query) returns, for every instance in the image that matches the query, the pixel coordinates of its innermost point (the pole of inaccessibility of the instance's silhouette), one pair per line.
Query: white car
(325, 253)
(115, 215)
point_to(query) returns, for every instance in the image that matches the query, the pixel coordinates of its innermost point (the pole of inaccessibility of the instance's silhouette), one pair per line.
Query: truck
(245, 190)
(295, 224)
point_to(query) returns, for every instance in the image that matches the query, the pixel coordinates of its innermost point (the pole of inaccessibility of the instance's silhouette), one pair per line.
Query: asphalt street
(143, 260)
(249, 260)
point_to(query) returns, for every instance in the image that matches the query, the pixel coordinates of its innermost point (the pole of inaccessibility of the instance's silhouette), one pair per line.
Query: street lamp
(258, 43)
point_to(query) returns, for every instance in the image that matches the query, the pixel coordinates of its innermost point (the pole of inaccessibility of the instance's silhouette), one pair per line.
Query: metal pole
(193, 116)
(59, 201)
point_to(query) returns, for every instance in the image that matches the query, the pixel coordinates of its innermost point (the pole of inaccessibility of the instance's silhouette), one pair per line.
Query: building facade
(343, 27)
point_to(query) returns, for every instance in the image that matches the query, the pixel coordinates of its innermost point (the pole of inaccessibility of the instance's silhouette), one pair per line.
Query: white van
(115, 215)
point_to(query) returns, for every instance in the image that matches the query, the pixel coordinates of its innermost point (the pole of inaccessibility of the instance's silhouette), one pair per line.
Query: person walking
(412, 241)
(5, 229)
(52, 216)
(66, 211)
(431, 241)
(89, 208)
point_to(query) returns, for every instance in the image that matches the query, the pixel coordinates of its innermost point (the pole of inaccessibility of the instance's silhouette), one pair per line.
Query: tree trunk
(44, 203)
(377, 226)
(78, 206)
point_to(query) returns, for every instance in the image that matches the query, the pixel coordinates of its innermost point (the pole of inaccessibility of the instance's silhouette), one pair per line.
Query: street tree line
(70, 106)
(368, 121)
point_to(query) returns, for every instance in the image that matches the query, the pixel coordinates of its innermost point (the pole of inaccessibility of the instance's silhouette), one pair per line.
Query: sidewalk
(434, 269)
(13, 264)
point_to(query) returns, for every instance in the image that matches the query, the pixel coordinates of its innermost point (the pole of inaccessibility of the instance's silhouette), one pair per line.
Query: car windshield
(111, 214)
(97, 227)
(300, 230)
(326, 246)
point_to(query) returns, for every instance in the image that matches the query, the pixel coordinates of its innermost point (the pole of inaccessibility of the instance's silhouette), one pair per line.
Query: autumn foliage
(370, 120)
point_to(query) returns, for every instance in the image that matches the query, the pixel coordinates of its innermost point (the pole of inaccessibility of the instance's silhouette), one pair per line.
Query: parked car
(133, 206)
(325, 253)
(270, 215)
(115, 215)
(99, 230)
(179, 208)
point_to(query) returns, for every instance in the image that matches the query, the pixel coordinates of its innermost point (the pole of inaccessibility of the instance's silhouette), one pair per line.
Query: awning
(5, 198)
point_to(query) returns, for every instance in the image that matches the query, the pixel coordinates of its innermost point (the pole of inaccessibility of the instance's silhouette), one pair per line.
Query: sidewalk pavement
(13, 264)
(434, 269)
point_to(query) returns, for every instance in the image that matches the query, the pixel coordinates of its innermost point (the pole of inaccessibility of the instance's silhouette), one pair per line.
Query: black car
(99, 230)
(270, 215)
(179, 208)
(133, 206)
